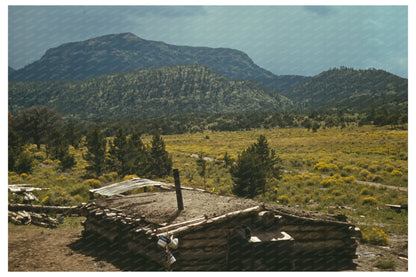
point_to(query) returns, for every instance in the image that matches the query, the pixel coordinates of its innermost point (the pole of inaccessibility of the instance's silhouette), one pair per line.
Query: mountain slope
(147, 93)
(346, 88)
(123, 52)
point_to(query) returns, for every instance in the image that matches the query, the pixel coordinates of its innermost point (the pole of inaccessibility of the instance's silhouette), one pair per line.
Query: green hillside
(346, 88)
(147, 93)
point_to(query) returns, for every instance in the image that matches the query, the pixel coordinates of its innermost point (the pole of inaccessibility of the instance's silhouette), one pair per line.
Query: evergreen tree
(119, 152)
(57, 147)
(72, 134)
(138, 156)
(19, 160)
(160, 164)
(35, 124)
(96, 144)
(252, 168)
(248, 176)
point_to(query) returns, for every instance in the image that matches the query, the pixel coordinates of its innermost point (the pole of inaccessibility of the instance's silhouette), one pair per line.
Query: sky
(298, 40)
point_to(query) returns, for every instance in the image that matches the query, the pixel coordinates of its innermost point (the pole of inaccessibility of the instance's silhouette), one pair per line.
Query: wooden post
(178, 189)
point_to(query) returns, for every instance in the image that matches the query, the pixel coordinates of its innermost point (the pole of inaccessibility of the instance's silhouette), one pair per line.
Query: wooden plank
(133, 183)
(199, 225)
(44, 209)
(180, 224)
(23, 188)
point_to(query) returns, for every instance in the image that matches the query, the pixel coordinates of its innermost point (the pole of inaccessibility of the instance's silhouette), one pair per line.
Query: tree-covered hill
(147, 93)
(346, 88)
(124, 52)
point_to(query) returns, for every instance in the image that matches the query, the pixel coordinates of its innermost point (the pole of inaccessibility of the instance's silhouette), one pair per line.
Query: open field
(352, 171)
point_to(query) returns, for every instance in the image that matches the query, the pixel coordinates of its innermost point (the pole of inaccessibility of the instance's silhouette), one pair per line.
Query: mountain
(11, 70)
(148, 93)
(123, 52)
(346, 88)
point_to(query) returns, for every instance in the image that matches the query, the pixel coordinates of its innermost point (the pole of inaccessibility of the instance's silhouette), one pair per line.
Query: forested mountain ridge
(148, 93)
(347, 88)
(116, 53)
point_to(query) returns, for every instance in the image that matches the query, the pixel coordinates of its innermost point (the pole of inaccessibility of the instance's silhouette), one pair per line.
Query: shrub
(128, 177)
(322, 166)
(365, 191)
(61, 178)
(396, 172)
(80, 190)
(349, 168)
(369, 201)
(333, 167)
(388, 167)
(40, 156)
(364, 173)
(328, 181)
(374, 236)
(336, 192)
(283, 199)
(374, 168)
(349, 179)
(48, 161)
(108, 177)
(362, 164)
(375, 178)
(92, 183)
(387, 263)
(24, 163)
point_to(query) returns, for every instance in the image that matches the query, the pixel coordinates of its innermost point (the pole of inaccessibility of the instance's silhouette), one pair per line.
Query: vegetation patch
(374, 236)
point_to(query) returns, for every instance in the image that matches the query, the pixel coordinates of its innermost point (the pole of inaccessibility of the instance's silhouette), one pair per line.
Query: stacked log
(68, 210)
(112, 224)
(321, 244)
(25, 218)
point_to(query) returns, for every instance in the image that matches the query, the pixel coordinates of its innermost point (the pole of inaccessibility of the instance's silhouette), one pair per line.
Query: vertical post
(178, 189)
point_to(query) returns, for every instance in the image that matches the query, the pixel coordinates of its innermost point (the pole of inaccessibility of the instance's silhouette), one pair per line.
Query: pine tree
(138, 156)
(96, 144)
(160, 164)
(36, 123)
(72, 134)
(248, 176)
(19, 160)
(118, 153)
(252, 168)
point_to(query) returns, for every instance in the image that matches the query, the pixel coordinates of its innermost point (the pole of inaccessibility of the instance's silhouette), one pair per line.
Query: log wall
(219, 243)
(321, 245)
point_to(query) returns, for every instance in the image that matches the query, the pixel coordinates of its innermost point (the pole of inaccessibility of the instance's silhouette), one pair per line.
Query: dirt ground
(33, 248)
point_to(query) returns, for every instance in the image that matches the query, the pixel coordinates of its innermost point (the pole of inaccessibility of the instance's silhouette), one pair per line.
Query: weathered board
(133, 183)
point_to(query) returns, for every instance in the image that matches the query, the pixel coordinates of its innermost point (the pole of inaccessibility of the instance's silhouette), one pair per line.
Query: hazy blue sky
(302, 40)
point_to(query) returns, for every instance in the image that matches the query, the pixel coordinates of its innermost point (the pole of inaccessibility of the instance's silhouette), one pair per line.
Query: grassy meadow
(353, 171)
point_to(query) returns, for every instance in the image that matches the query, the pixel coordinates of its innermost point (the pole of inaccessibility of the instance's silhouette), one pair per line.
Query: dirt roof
(161, 207)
